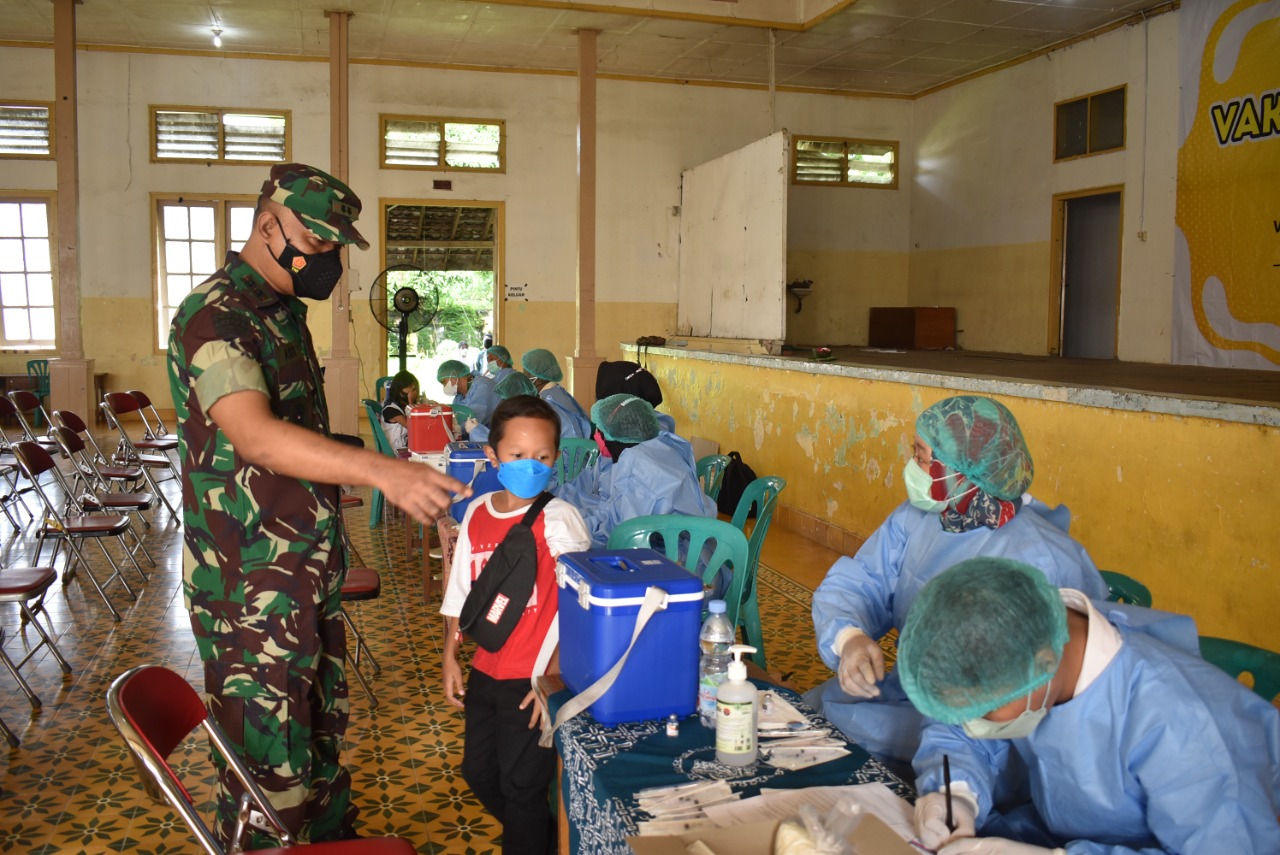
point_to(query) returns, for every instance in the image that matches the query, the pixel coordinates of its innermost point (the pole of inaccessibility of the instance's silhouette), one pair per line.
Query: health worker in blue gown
(497, 363)
(544, 370)
(511, 385)
(1131, 745)
(965, 485)
(642, 470)
(473, 395)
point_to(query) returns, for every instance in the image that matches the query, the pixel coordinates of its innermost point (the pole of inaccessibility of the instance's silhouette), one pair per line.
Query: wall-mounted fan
(404, 301)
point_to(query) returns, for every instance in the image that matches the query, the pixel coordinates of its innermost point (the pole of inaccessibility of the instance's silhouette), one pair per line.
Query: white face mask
(450, 388)
(1015, 728)
(919, 486)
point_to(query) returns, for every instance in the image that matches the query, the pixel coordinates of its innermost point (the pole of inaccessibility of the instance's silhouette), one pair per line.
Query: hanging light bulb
(217, 37)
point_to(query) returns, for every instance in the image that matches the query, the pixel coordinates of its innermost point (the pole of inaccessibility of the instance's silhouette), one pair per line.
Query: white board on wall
(733, 243)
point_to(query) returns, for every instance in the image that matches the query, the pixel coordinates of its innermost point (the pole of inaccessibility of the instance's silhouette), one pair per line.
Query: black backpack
(737, 478)
(500, 593)
(613, 378)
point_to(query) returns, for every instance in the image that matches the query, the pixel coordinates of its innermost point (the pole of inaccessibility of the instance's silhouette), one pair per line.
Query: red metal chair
(155, 710)
(94, 466)
(363, 583)
(149, 452)
(26, 586)
(155, 428)
(70, 528)
(96, 497)
(28, 410)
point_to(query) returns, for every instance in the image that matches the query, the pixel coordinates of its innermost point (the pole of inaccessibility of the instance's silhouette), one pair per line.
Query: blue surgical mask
(1016, 728)
(526, 478)
(919, 486)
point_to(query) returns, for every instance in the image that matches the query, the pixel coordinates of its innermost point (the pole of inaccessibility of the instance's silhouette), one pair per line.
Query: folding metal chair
(363, 583)
(10, 492)
(148, 452)
(28, 410)
(155, 710)
(26, 586)
(89, 493)
(129, 454)
(155, 428)
(124, 477)
(73, 527)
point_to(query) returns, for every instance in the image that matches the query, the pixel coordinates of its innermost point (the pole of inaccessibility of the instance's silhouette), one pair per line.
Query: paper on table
(875, 798)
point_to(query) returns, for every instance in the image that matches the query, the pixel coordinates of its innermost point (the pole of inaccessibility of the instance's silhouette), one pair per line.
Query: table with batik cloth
(604, 767)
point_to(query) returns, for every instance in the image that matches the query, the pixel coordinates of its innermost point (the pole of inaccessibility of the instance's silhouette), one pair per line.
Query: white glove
(861, 665)
(469, 425)
(931, 819)
(995, 846)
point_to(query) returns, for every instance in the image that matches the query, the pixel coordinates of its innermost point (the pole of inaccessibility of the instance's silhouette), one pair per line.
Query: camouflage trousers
(273, 643)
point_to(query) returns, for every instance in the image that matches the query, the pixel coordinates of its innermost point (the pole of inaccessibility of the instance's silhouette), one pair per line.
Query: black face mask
(314, 275)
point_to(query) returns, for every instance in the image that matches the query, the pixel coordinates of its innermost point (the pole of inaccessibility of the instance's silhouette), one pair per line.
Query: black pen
(946, 780)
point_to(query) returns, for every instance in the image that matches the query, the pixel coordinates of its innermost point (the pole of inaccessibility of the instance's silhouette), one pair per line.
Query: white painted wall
(985, 175)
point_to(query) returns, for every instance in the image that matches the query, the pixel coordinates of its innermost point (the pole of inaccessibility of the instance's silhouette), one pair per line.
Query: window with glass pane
(849, 163)
(1089, 125)
(26, 130)
(426, 142)
(26, 273)
(220, 136)
(191, 244)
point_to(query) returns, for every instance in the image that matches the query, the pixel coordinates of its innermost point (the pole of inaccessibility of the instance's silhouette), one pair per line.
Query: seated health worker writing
(502, 762)
(511, 385)
(642, 470)
(402, 393)
(965, 486)
(1131, 745)
(543, 369)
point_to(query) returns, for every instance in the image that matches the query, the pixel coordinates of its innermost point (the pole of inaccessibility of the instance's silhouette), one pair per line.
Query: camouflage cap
(325, 205)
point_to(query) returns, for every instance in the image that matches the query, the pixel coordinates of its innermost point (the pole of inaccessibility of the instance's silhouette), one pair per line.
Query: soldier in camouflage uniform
(263, 558)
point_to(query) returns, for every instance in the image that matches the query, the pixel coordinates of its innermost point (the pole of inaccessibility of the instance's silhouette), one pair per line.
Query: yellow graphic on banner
(1228, 205)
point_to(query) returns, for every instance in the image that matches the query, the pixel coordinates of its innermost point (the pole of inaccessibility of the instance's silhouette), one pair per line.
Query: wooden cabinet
(913, 327)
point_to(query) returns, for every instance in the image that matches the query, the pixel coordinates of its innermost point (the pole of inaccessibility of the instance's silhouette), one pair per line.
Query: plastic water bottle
(713, 666)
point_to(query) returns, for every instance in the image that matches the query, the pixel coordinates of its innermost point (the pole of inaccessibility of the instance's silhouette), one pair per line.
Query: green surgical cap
(514, 385)
(980, 439)
(500, 352)
(625, 418)
(452, 369)
(542, 363)
(979, 635)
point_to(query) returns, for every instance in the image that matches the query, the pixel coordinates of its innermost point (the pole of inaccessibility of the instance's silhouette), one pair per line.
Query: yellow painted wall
(846, 286)
(1182, 504)
(1002, 293)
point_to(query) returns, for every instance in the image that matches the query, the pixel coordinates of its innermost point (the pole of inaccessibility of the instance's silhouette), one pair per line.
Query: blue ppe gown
(1162, 752)
(665, 422)
(574, 421)
(657, 476)
(874, 590)
(480, 398)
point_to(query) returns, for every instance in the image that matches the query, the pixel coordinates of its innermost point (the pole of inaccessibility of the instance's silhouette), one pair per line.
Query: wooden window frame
(383, 118)
(223, 203)
(53, 136)
(844, 164)
(221, 112)
(50, 201)
(1124, 126)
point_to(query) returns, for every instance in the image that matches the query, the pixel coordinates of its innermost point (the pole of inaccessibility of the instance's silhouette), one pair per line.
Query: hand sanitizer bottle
(736, 713)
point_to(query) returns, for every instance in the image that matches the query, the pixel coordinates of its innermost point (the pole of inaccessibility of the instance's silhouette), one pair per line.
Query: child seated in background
(502, 761)
(402, 392)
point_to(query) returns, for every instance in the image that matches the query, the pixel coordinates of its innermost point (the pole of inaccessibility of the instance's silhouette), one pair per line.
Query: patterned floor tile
(72, 786)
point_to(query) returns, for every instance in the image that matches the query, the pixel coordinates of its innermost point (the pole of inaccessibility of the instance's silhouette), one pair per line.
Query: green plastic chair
(762, 495)
(1126, 589)
(39, 369)
(691, 535)
(380, 388)
(711, 474)
(1238, 658)
(576, 454)
(383, 445)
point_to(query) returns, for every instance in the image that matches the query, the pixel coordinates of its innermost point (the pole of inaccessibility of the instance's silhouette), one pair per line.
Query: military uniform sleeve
(225, 348)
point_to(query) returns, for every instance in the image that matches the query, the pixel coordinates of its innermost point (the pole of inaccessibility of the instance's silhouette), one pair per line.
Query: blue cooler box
(600, 596)
(465, 461)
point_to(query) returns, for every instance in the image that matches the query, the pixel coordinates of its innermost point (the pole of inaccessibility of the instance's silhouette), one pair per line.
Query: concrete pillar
(342, 370)
(70, 377)
(585, 362)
